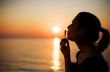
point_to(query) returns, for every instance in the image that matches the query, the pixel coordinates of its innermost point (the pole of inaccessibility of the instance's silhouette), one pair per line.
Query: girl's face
(73, 32)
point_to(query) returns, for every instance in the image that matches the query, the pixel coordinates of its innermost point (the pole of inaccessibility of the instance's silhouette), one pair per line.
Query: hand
(64, 47)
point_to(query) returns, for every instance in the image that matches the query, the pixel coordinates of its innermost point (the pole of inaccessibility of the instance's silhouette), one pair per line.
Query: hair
(92, 26)
(102, 45)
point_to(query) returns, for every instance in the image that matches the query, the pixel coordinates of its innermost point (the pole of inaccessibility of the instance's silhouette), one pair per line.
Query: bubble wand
(65, 33)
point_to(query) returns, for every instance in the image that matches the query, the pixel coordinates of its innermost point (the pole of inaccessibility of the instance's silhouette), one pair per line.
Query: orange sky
(35, 18)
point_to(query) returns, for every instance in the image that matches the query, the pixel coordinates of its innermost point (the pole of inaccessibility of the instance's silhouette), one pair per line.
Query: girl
(84, 31)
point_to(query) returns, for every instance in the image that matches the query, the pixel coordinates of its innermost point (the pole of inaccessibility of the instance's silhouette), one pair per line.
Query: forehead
(74, 23)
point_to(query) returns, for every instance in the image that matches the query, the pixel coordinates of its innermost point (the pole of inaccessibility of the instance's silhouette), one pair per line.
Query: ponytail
(103, 43)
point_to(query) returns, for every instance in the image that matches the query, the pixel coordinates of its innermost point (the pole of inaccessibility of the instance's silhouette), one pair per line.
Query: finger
(68, 44)
(63, 41)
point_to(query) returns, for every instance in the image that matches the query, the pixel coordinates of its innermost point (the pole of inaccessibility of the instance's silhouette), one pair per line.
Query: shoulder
(95, 61)
(94, 64)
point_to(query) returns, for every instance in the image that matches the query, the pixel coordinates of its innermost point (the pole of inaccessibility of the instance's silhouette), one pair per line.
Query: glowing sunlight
(56, 30)
(56, 62)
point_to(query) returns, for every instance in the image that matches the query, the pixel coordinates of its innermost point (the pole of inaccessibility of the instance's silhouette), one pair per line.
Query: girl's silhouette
(84, 31)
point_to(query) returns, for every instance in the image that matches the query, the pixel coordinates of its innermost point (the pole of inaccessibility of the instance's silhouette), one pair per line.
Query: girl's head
(85, 27)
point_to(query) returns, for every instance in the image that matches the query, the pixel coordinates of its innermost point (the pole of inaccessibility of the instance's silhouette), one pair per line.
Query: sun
(56, 30)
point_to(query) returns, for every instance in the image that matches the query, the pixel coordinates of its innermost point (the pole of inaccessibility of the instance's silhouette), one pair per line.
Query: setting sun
(56, 30)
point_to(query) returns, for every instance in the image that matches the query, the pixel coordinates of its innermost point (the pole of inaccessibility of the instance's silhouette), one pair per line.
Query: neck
(85, 46)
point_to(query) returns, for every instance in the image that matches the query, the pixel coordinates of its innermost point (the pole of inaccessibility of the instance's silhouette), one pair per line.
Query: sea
(35, 55)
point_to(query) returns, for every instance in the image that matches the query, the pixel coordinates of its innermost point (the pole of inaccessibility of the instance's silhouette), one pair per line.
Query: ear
(81, 32)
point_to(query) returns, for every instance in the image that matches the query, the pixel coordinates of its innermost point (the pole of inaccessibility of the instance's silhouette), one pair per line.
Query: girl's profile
(84, 31)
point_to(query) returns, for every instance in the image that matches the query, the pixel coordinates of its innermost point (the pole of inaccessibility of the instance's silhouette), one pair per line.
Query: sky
(36, 18)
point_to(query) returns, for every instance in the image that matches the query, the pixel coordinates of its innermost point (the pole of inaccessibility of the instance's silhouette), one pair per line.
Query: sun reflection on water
(56, 51)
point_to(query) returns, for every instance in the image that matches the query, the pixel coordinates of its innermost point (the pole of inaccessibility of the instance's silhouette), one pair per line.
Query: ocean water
(29, 55)
(33, 55)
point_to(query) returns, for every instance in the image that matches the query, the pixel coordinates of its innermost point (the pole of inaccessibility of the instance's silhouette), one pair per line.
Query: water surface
(34, 55)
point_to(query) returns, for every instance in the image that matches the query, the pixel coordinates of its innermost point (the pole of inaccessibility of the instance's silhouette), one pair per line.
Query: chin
(69, 38)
